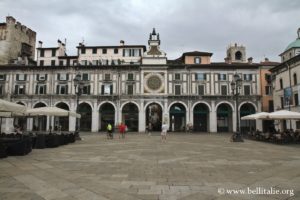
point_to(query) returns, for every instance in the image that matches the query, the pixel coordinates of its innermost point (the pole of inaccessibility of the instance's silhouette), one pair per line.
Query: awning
(261, 115)
(284, 114)
(10, 109)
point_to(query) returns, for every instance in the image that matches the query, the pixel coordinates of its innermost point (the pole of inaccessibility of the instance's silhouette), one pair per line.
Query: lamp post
(78, 84)
(236, 85)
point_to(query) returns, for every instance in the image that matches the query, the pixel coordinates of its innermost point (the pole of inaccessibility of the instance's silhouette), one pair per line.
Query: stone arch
(181, 102)
(151, 102)
(204, 102)
(227, 102)
(245, 102)
(121, 108)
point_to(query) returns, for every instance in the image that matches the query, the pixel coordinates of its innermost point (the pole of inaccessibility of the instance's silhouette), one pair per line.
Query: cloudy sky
(264, 27)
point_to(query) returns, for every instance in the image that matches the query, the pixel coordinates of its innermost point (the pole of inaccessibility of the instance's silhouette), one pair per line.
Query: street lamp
(236, 85)
(78, 84)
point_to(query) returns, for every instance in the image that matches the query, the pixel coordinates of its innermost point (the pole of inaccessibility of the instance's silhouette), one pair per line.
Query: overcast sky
(264, 27)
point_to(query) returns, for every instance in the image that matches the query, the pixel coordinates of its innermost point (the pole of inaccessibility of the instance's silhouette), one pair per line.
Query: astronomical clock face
(154, 83)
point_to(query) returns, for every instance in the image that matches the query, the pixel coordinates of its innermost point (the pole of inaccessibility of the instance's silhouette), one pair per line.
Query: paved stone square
(186, 166)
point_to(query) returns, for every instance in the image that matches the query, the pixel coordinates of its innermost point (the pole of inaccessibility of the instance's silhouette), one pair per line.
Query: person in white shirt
(164, 129)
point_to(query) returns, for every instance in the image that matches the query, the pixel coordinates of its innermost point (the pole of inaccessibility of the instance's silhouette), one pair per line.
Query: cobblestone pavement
(186, 166)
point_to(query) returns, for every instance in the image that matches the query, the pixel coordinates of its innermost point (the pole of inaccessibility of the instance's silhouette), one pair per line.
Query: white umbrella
(8, 109)
(284, 114)
(51, 111)
(261, 115)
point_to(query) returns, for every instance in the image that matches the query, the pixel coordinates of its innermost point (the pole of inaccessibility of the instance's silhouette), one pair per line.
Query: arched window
(238, 55)
(295, 79)
(197, 60)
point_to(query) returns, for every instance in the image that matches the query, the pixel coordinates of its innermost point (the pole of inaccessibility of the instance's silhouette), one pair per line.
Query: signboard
(288, 96)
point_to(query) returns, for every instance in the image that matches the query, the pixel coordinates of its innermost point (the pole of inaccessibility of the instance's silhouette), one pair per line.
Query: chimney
(40, 44)
(122, 42)
(250, 60)
(59, 43)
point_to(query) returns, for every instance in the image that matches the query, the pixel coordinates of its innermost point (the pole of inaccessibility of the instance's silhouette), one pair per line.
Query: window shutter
(123, 52)
(16, 89)
(58, 76)
(89, 89)
(111, 89)
(37, 77)
(140, 52)
(25, 77)
(245, 77)
(57, 89)
(219, 77)
(67, 87)
(36, 89)
(204, 75)
(45, 89)
(4, 76)
(250, 77)
(46, 77)
(102, 89)
(17, 77)
(196, 77)
(67, 77)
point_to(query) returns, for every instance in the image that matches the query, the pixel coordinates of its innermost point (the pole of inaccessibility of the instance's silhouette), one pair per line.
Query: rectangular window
(268, 89)
(83, 51)
(63, 77)
(86, 89)
(107, 77)
(223, 89)
(177, 77)
(42, 53)
(94, 50)
(61, 63)
(130, 89)
(126, 52)
(52, 62)
(21, 77)
(53, 52)
(247, 90)
(2, 77)
(85, 77)
(177, 89)
(200, 77)
(104, 51)
(247, 77)
(222, 77)
(40, 89)
(268, 78)
(62, 89)
(271, 106)
(201, 89)
(19, 89)
(130, 77)
(41, 63)
(107, 89)
(116, 51)
(296, 100)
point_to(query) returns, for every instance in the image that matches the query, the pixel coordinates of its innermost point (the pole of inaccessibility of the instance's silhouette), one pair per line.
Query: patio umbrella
(284, 114)
(9, 109)
(261, 115)
(51, 111)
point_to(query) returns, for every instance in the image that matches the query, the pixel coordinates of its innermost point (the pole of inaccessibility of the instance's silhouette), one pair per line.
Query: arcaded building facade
(136, 85)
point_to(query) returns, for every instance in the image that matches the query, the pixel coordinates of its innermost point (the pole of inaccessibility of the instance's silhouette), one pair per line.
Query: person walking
(109, 131)
(164, 129)
(122, 130)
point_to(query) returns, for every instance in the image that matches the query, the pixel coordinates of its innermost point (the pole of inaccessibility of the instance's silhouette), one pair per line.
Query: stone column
(213, 118)
(234, 113)
(95, 118)
(142, 119)
(72, 120)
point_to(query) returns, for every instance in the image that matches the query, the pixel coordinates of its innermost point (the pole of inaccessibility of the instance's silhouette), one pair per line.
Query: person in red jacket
(122, 129)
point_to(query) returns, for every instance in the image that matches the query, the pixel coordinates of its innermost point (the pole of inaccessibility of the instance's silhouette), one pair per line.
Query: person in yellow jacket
(109, 131)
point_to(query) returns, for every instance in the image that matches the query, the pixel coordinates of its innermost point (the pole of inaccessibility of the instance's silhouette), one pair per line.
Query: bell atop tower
(154, 55)
(154, 37)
